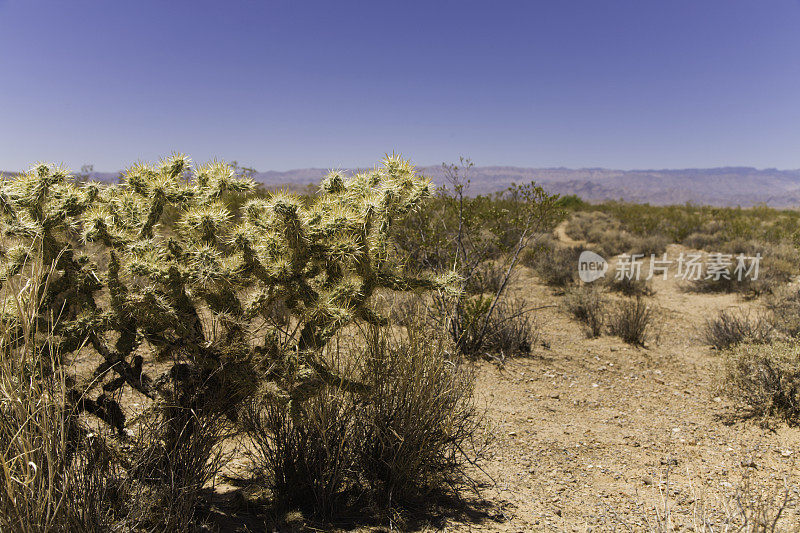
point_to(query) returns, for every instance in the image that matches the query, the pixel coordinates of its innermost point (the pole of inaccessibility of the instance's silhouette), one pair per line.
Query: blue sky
(280, 85)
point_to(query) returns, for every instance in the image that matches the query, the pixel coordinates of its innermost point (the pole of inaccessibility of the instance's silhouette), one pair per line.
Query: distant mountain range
(725, 186)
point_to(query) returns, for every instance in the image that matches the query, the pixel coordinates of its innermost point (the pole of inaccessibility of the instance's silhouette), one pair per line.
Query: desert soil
(596, 435)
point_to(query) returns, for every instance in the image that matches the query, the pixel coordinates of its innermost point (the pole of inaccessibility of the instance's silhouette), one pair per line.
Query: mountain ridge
(719, 186)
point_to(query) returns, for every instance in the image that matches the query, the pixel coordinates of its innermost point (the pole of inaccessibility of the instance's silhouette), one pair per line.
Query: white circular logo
(591, 266)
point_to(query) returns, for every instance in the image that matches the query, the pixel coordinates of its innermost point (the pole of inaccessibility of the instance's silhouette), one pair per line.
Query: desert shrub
(308, 459)
(540, 246)
(730, 328)
(614, 241)
(419, 428)
(587, 225)
(649, 245)
(488, 278)
(777, 266)
(784, 308)
(409, 436)
(608, 234)
(765, 379)
(558, 266)
(167, 473)
(629, 286)
(509, 331)
(587, 304)
(484, 240)
(703, 241)
(632, 321)
(572, 202)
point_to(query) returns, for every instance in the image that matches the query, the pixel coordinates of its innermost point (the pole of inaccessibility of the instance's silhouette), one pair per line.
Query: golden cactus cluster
(161, 266)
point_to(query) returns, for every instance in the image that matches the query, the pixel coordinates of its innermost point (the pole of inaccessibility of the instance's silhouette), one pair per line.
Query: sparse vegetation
(765, 379)
(630, 286)
(588, 305)
(557, 266)
(632, 321)
(732, 327)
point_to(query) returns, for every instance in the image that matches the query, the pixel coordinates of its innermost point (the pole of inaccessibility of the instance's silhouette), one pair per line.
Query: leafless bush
(632, 321)
(409, 433)
(588, 305)
(765, 379)
(730, 328)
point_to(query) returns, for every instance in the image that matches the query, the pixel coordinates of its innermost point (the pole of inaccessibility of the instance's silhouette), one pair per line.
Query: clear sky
(280, 85)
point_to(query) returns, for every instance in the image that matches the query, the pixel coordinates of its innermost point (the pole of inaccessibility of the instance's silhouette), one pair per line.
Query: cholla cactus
(231, 299)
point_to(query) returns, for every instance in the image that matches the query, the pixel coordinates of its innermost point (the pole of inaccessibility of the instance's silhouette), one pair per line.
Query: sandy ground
(596, 435)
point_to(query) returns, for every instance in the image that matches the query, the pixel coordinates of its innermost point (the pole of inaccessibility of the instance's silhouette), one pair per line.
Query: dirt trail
(561, 234)
(588, 429)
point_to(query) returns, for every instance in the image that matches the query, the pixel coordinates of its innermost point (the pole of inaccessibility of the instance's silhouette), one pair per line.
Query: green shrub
(765, 379)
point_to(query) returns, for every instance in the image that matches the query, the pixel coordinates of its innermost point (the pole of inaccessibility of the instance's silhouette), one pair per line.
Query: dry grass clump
(732, 327)
(506, 331)
(765, 379)
(630, 286)
(632, 321)
(54, 476)
(411, 432)
(419, 428)
(749, 506)
(587, 304)
(784, 307)
(304, 453)
(174, 456)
